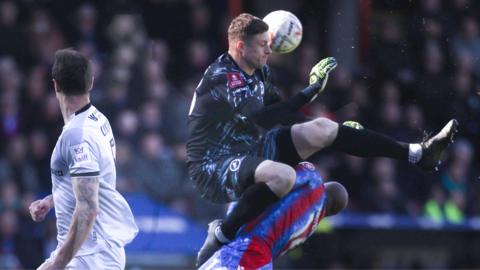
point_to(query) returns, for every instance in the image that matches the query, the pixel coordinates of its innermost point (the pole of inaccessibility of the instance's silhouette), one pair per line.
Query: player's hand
(319, 73)
(39, 209)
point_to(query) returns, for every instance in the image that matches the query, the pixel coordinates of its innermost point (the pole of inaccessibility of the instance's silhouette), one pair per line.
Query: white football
(285, 29)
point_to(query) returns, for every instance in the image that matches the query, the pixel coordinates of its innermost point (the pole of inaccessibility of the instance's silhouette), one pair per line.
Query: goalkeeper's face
(256, 50)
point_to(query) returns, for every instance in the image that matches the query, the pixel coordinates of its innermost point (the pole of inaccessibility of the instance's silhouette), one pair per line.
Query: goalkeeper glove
(319, 74)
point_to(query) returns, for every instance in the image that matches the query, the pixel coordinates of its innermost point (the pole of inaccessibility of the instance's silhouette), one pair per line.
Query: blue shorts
(225, 179)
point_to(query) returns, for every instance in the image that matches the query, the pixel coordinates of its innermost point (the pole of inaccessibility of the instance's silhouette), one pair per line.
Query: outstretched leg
(312, 136)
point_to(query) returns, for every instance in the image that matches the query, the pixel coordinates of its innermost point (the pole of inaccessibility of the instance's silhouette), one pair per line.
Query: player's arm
(286, 112)
(40, 208)
(84, 215)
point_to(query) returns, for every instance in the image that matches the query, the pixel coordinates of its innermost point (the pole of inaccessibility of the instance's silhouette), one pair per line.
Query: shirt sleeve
(82, 153)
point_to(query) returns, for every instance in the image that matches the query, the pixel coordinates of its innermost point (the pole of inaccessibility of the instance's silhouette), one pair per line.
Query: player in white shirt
(94, 222)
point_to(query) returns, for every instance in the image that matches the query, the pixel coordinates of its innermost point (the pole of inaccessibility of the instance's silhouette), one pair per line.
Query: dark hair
(244, 26)
(72, 71)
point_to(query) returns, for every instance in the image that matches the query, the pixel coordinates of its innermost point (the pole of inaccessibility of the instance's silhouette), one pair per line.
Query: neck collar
(84, 108)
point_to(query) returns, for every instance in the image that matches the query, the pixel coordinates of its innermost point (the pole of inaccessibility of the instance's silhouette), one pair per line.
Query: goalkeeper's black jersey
(218, 121)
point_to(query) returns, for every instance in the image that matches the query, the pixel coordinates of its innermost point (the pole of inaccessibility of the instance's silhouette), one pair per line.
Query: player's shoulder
(221, 68)
(223, 73)
(76, 135)
(85, 126)
(91, 118)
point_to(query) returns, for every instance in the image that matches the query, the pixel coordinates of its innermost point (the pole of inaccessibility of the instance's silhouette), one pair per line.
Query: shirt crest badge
(235, 80)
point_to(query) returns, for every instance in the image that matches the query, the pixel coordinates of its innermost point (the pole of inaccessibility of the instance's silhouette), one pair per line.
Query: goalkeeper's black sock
(254, 201)
(368, 143)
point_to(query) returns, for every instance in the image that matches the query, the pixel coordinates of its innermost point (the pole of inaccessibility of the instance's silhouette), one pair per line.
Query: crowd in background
(421, 68)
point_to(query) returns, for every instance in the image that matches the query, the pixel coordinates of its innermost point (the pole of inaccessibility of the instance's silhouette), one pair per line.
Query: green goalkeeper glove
(319, 74)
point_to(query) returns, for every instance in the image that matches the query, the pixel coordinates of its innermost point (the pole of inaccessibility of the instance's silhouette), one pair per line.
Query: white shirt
(86, 147)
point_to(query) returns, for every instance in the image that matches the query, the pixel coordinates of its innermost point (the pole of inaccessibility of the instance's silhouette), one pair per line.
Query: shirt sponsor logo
(235, 164)
(80, 152)
(105, 128)
(307, 165)
(235, 80)
(56, 172)
(93, 117)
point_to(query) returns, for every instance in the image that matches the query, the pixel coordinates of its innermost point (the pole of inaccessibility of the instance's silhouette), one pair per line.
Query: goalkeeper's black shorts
(225, 179)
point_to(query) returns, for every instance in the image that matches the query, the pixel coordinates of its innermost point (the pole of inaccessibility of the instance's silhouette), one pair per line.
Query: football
(285, 30)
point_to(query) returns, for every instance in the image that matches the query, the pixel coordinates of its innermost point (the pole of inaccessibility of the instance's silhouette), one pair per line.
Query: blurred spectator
(414, 123)
(454, 182)
(198, 56)
(391, 57)
(36, 90)
(13, 36)
(433, 207)
(126, 170)
(459, 9)
(339, 89)
(16, 165)
(9, 250)
(156, 171)
(383, 194)
(432, 88)
(9, 196)
(151, 117)
(442, 207)
(391, 119)
(469, 40)
(51, 116)
(426, 25)
(17, 250)
(362, 105)
(40, 157)
(351, 171)
(175, 123)
(49, 237)
(115, 100)
(86, 22)
(30, 235)
(46, 38)
(465, 105)
(127, 126)
(307, 59)
(10, 77)
(160, 52)
(9, 116)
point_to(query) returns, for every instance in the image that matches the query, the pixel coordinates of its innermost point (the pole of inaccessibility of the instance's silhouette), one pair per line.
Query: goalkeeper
(230, 158)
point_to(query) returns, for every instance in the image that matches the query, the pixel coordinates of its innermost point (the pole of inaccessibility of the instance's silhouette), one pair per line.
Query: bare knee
(279, 177)
(314, 135)
(325, 131)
